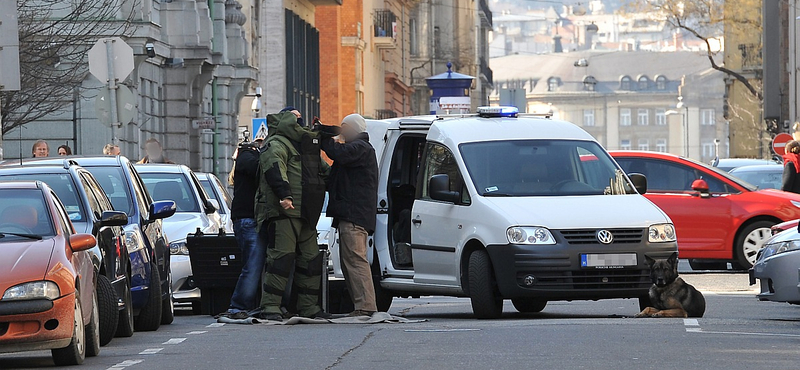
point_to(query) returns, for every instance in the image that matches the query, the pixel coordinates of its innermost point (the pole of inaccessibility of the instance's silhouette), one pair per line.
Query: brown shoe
(358, 313)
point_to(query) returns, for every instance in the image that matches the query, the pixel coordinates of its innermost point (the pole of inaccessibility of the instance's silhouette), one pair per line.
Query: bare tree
(54, 38)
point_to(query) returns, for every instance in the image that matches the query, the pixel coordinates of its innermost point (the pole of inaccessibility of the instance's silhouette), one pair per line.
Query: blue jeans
(254, 252)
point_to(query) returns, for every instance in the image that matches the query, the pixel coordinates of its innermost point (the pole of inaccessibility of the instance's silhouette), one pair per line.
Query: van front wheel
(486, 302)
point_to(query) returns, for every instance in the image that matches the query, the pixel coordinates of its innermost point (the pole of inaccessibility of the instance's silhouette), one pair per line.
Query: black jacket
(245, 183)
(353, 182)
(791, 179)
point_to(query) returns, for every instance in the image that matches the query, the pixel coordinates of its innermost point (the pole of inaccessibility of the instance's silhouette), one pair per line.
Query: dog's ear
(649, 260)
(673, 259)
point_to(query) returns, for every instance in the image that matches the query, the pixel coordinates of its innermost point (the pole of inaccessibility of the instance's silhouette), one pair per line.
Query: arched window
(625, 83)
(661, 82)
(589, 83)
(643, 82)
(552, 84)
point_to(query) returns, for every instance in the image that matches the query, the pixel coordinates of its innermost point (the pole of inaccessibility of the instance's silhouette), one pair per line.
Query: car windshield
(763, 179)
(171, 186)
(110, 179)
(23, 211)
(210, 191)
(543, 168)
(62, 185)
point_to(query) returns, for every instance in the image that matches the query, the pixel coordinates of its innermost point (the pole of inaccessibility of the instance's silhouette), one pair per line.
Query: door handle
(417, 221)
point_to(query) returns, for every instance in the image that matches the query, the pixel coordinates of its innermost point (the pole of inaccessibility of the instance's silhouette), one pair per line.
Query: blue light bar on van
(498, 112)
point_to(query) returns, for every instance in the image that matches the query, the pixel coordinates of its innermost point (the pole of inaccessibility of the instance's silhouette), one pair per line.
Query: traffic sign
(121, 57)
(9, 46)
(260, 130)
(126, 105)
(779, 143)
(455, 102)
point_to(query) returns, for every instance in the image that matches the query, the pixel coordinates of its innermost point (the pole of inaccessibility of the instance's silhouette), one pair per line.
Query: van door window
(440, 160)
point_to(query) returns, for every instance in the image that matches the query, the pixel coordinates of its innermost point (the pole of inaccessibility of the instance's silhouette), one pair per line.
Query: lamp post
(685, 125)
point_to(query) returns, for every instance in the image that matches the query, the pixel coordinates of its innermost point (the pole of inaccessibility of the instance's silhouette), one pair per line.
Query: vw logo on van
(604, 236)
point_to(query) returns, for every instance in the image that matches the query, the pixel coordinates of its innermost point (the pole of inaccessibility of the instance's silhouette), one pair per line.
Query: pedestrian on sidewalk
(353, 187)
(64, 150)
(111, 149)
(155, 153)
(791, 167)
(40, 149)
(288, 204)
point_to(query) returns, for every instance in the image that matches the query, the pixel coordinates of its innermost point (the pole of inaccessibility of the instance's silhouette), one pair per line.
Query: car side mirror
(639, 182)
(82, 242)
(211, 206)
(701, 186)
(113, 218)
(439, 189)
(162, 209)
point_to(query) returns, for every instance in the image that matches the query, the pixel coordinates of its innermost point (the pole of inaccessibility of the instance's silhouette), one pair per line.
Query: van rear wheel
(486, 300)
(529, 305)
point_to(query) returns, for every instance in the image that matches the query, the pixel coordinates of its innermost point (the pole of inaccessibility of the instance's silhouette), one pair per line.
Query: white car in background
(195, 210)
(214, 188)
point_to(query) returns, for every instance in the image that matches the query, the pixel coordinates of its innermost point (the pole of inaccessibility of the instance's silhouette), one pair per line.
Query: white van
(498, 205)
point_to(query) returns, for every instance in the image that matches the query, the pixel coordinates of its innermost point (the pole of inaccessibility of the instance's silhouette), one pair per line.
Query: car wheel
(529, 305)
(703, 266)
(149, 318)
(93, 329)
(75, 352)
(125, 322)
(486, 302)
(645, 302)
(168, 306)
(749, 241)
(109, 311)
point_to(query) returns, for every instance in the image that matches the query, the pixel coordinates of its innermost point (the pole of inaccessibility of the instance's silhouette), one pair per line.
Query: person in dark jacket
(791, 167)
(245, 296)
(353, 188)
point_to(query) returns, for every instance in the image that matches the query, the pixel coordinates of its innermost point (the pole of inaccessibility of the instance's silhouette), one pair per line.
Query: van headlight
(661, 233)
(529, 235)
(780, 247)
(133, 240)
(33, 290)
(178, 248)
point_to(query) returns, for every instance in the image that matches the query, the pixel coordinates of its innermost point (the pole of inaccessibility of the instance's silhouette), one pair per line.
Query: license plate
(608, 260)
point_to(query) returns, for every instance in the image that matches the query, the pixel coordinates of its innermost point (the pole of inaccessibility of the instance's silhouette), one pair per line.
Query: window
(661, 145)
(588, 117)
(552, 84)
(625, 144)
(413, 38)
(666, 177)
(625, 117)
(439, 160)
(169, 186)
(589, 83)
(661, 117)
(643, 83)
(707, 117)
(661, 83)
(644, 144)
(437, 42)
(625, 83)
(708, 149)
(643, 117)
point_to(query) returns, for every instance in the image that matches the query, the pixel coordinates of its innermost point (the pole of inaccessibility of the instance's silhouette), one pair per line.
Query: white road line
(437, 330)
(750, 334)
(124, 364)
(215, 325)
(197, 332)
(175, 341)
(151, 351)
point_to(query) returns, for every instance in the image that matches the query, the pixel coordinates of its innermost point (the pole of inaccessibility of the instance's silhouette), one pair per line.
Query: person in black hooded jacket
(353, 188)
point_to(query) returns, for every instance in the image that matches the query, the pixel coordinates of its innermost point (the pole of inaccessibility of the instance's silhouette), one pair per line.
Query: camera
(151, 50)
(258, 92)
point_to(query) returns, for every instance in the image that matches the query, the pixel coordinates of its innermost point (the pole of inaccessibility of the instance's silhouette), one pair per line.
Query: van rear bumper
(554, 272)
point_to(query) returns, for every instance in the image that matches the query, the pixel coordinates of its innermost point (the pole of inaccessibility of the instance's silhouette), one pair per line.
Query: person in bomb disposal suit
(289, 202)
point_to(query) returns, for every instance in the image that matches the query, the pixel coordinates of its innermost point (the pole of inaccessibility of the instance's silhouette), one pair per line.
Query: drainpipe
(403, 51)
(215, 139)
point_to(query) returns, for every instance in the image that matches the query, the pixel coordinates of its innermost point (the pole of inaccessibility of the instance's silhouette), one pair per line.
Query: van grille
(589, 279)
(588, 236)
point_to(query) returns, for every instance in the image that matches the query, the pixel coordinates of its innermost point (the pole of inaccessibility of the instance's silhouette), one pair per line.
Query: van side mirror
(162, 209)
(113, 218)
(439, 189)
(639, 182)
(701, 186)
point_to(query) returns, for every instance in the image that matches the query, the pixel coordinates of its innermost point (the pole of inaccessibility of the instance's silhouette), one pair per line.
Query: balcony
(486, 14)
(385, 25)
(751, 57)
(486, 72)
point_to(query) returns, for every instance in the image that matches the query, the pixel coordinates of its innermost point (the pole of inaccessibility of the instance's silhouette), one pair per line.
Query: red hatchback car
(718, 217)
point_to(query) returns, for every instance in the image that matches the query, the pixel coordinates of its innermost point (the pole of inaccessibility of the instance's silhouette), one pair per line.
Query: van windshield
(518, 168)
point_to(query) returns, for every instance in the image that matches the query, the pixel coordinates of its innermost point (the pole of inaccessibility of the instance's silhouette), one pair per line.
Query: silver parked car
(777, 266)
(766, 176)
(218, 192)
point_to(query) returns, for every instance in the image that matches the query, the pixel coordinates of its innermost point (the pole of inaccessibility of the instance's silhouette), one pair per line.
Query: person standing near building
(288, 204)
(64, 150)
(155, 153)
(111, 149)
(353, 202)
(40, 149)
(791, 167)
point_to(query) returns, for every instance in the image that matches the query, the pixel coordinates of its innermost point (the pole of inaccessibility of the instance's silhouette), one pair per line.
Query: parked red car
(47, 278)
(717, 216)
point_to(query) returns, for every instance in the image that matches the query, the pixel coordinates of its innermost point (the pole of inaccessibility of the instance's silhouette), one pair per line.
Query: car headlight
(33, 290)
(178, 248)
(133, 240)
(780, 247)
(530, 235)
(661, 233)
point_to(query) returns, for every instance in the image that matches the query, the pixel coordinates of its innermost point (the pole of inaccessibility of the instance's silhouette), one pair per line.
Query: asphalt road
(738, 332)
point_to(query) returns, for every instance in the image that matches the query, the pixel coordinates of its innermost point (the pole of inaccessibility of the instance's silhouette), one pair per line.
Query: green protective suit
(290, 166)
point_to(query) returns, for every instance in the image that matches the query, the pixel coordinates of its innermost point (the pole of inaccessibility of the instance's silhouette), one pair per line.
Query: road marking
(748, 333)
(197, 332)
(124, 364)
(691, 325)
(215, 325)
(175, 341)
(151, 351)
(437, 330)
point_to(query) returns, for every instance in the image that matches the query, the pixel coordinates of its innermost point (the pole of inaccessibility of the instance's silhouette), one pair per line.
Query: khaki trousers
(355, 266)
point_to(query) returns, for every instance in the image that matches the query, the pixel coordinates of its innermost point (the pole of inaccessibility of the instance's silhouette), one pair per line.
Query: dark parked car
(91, 212)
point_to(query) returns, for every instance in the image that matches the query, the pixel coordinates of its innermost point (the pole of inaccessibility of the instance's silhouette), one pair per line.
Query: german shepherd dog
(670, 296)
